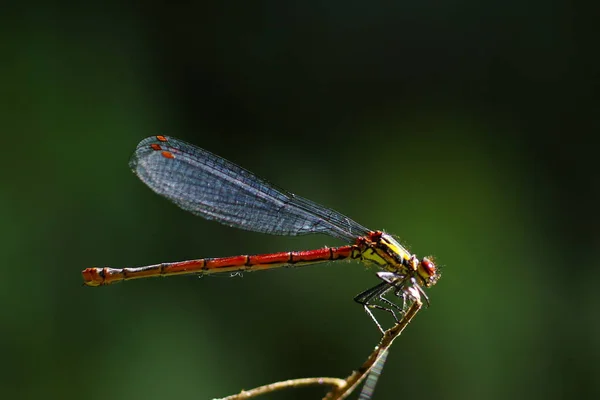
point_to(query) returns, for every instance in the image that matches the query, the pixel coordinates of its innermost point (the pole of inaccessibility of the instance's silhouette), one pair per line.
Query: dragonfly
(209, 186)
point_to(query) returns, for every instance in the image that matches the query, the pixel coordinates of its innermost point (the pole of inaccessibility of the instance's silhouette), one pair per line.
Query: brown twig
(291, 383)
(342, 388)
(356, 377)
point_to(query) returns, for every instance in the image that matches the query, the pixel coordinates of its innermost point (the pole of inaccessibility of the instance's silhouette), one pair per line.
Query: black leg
(391, 281)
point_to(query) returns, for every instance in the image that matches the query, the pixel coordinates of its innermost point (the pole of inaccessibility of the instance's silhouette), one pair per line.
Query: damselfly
(216, 189)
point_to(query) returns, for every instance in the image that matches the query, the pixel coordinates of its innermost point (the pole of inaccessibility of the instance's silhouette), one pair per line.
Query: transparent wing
(216, 189)
(369, 387)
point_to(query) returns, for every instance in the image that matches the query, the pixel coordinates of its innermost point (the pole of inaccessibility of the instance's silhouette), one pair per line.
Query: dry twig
(342, 388)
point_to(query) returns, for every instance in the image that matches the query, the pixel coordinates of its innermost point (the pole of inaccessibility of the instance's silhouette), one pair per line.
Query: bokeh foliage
(465, 128)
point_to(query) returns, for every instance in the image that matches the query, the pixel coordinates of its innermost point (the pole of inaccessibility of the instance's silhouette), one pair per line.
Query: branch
(356, 377)
(342, 388)
(292, 383)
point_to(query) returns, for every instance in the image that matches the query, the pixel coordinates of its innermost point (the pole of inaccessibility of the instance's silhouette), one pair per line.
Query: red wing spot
(161, 138)
(167, 154)
(155, 147)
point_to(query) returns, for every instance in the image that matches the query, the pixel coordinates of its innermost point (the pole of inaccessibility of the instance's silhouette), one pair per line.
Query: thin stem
(291, 383)
(356, 377)
(342, 388)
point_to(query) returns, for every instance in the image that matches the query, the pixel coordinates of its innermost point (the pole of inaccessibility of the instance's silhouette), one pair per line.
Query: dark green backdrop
(466, 128)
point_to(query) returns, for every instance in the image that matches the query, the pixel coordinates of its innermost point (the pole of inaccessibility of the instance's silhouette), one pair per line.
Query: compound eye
(428, 266)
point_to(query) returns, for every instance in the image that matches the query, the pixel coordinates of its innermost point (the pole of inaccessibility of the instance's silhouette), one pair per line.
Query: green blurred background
(466, 128)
